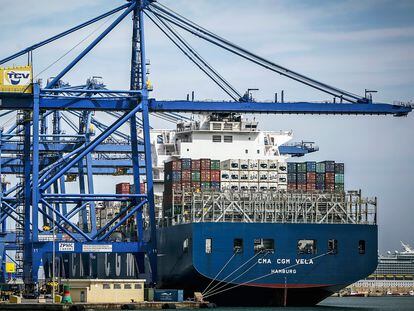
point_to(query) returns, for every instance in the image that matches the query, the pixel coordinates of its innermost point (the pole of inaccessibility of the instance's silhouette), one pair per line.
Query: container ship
(245, 226)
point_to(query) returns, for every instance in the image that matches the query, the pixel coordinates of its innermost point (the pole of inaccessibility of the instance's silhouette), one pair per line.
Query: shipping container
(253, 176)
(282, 179)
(273, 186)
(263, 176)
(263, 186)
(311, 167)
(301, 178)
(168, 295)
(263, 165)
(311, 177)
(273, 165)
(232, 164)
(196, 186)
(185, 175)
(291, 186)
(339, 168)
(234, 186)
(301, 167)
(292, 178)
(244, 165)
(339, 178)
(215, 175)
(244, 186)
(273, 177)
(253, 164)
(329, 166)
(205, 185)
(215, 185)
(253, 186)
(282, 187)
(205, 175)
(225, 175)
(234, 176)
(186, 185)
(310, 186)
(329, 187)
(330, 178)
(195, 165)
(225, 185)
(195, 176)
(123, 188)
(174, 165)
(320, 178)
(320, 186)
(205, 164)
(320, 167)
(301, 187)
(244, 176)
(215, 164)
(185, 164)
(282, 167)
(339, 187)
(292, 167)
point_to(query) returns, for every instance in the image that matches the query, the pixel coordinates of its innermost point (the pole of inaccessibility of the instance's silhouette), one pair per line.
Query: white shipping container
(282, 179)
(282, 167)
(225, 185)
(253, 186)
(244, 186)
(253, 176)
(244, 176)
(282, 187)
(234, 176)
(253, 164)
(273, 165)
(263, 186)
(273, 186)
(263, 176)
(244, 165)
(273, 177)
(232, 164)
(225, 175)
(263, 165)
(234, 186)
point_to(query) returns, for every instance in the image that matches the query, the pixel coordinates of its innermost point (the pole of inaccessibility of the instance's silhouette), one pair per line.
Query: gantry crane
(42, 159)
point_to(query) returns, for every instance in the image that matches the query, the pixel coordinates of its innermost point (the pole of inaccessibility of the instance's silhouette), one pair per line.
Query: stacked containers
(215, 173)
(205, 174)
(323, 176)
(123, 188)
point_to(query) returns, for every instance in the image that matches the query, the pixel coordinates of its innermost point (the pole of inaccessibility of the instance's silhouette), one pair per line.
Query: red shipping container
(291, 187)
(196, 186)
(310, 186)
(205, 175)
(142, 187)
(186, 185)
(301, 187)
(215, 175)
(123, 188)
(311, 177)
(329, 187)
(195, 165)
(205, 164)
(174, 165)
(185, 175)
(329, 178)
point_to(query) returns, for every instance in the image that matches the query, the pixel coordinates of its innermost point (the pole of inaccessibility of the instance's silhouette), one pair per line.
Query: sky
(351, 44)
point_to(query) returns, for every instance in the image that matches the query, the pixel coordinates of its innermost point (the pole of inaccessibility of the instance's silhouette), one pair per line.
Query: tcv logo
(17, 77)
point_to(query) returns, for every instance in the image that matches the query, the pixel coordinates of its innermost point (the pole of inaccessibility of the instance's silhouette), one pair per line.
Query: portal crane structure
(43, 159)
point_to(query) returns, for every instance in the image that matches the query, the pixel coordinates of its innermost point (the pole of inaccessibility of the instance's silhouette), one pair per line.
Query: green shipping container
(339, 178)
(339, 187)
(301, 167)
(320, 167)
(205, 185)
(195, 176)
(215, 164)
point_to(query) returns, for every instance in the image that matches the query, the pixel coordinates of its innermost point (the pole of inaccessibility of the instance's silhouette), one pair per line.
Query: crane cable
(261, 277)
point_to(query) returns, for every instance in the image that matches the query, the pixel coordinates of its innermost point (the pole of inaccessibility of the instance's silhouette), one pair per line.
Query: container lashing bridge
(42, 160)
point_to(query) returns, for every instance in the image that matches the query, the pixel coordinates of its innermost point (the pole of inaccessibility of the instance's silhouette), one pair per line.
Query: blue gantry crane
(43, 159)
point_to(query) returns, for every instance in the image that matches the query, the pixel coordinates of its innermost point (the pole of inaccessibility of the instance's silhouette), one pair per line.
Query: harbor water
(405, 303)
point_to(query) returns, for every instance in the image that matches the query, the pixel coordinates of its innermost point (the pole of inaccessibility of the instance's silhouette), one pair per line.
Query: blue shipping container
(168, 295)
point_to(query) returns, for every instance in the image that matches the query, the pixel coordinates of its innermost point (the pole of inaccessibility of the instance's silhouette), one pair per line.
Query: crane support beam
(279, 108)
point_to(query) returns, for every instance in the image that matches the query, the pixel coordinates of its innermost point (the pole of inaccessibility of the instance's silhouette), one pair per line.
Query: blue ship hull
(268, 278)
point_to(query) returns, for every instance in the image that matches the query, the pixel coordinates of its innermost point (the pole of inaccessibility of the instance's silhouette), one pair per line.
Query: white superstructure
(218, 137)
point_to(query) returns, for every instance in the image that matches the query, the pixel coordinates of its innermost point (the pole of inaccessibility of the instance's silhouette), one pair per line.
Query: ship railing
(270, 207)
